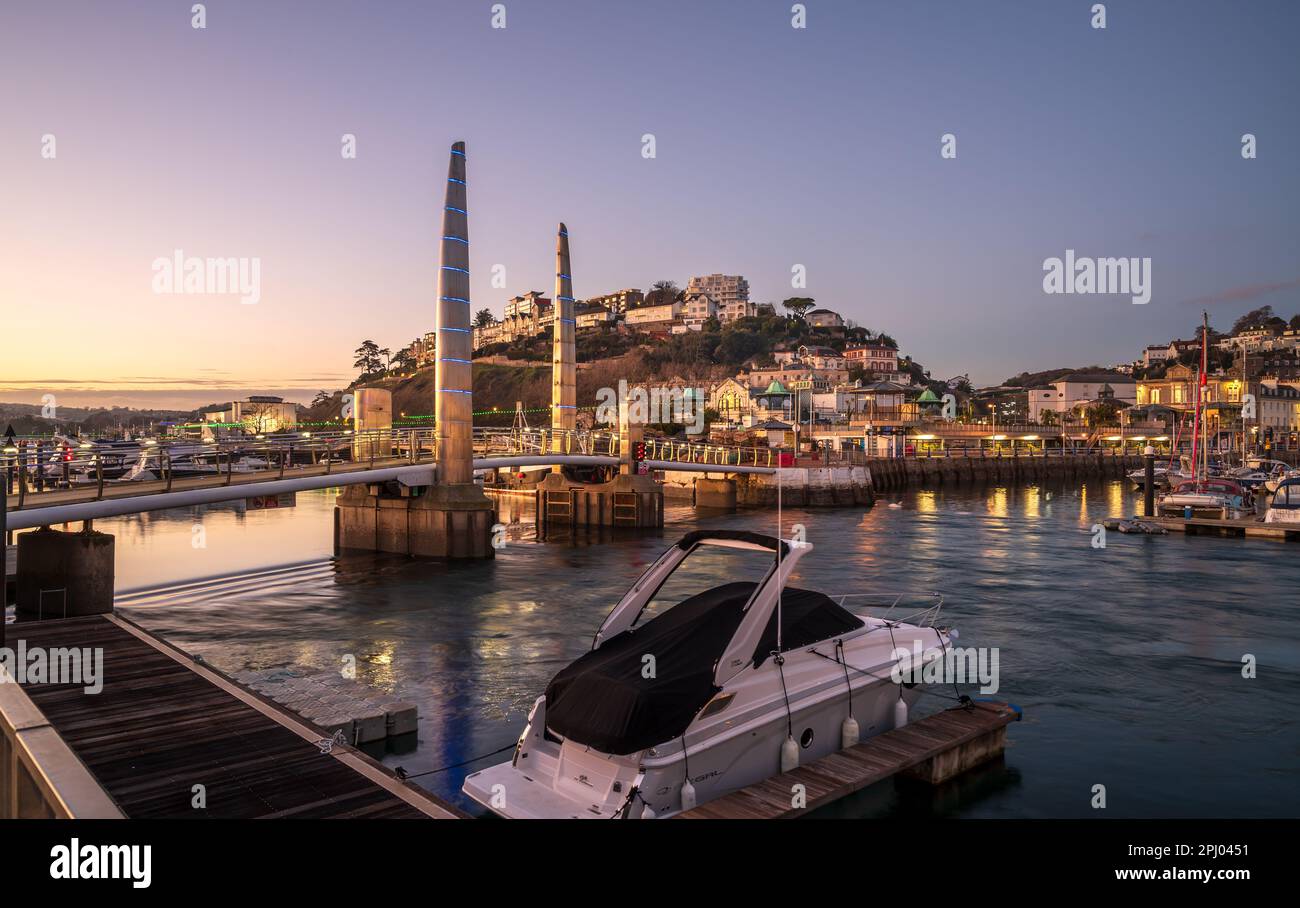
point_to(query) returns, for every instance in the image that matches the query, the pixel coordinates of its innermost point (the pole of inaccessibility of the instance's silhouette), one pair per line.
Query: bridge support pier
(451, 522)
(628, 500)
(64, 575)
(715, 494)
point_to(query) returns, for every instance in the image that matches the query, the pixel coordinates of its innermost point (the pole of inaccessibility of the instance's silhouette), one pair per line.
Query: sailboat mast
(1205, 347)
(1196, 430)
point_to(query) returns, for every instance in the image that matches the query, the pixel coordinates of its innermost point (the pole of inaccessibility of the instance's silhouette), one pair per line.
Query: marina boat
(1285, 506)
(1258, 472)
(1274, 482)
(717, 690)
(1214, 497)
(1139, 477)
(191, 460)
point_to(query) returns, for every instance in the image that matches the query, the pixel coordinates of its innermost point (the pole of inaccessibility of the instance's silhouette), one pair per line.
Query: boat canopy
(605, 701)
(1287, 496)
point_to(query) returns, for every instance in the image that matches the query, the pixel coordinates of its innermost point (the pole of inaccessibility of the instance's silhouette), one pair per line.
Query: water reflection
(1126, 659)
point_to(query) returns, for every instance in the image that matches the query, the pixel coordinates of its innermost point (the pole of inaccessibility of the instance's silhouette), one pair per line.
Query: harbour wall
(927, 472)
(843, 486)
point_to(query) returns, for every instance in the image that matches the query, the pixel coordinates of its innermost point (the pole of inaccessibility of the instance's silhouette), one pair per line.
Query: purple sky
(775, 147)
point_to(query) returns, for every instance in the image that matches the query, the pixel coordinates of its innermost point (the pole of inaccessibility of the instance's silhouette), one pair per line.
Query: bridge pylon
(451, 518)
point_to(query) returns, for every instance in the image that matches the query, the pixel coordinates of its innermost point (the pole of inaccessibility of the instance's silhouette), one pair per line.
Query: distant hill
(1047, 377)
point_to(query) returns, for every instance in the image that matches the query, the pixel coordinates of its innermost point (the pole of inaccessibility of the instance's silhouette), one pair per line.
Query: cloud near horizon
(1243, 293)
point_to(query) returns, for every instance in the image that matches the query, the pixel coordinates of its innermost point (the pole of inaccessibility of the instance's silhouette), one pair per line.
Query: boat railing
(924, 615)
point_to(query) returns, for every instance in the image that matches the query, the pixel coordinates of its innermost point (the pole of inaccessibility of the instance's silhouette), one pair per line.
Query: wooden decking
(164, 723)
(959, 737)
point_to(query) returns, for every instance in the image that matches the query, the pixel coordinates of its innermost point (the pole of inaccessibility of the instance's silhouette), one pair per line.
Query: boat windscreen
(702, 569)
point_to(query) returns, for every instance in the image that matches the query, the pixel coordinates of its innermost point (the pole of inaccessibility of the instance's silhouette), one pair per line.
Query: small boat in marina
(1212, 497)
(716, 691)
(1285, 505)
(1139, 477)
(1257, 472)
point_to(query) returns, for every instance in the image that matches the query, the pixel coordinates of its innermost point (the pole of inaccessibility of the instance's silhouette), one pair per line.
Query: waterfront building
(882, 403)
(1077, 388)
(730, 292)
(773, 403)
(1278, 410)
(258, 415)
(787, 374)
(731, 399)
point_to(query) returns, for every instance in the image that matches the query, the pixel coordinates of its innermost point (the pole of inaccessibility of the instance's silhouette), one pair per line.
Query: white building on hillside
(1079, 388)
(730, 292)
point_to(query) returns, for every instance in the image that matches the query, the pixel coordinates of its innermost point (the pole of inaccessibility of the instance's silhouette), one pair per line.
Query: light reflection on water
(1126, 659)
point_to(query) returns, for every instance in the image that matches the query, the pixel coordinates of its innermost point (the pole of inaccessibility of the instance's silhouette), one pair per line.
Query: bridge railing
(706, 453)
(35, 469)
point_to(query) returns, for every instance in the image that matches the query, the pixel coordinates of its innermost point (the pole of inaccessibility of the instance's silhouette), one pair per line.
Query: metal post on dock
(4, 548)
(1149, 493)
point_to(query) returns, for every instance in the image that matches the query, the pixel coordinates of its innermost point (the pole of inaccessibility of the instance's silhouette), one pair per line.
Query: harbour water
(1127, 659)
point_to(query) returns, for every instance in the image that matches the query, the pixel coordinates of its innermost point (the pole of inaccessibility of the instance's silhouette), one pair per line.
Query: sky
(774, 147)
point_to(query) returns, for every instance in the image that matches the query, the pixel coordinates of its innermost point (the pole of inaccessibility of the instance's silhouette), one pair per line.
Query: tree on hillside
(798, 305)
(367, 357)
(387, 355)
(669, 288)
(483, 318)
(1294, 324)
(403, 359)
(1254, 317)
(322, 397)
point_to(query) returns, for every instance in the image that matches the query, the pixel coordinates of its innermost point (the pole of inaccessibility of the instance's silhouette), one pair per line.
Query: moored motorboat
(1285, 505)
(716, 691)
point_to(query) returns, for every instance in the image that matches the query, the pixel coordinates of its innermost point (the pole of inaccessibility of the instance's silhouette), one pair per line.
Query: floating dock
(1211, 526)
(168, 736)
(933, 749)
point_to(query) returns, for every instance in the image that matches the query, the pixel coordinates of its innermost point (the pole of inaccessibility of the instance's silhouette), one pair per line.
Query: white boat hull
(737, 747)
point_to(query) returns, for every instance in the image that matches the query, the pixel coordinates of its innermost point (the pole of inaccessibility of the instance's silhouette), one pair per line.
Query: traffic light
(638, 456)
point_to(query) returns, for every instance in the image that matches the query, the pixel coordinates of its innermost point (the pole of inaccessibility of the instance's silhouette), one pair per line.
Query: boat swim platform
(1238, 528)
(934, 749)
(164, 723)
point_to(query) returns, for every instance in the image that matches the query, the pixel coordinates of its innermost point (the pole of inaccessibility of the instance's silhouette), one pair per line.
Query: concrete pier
(715, 494)
(64, 575)
(631, 499)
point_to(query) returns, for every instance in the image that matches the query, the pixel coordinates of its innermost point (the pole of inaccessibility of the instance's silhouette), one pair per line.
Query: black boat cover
(603, 701)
